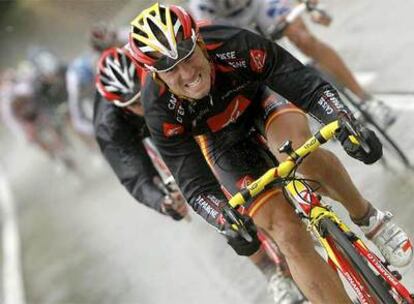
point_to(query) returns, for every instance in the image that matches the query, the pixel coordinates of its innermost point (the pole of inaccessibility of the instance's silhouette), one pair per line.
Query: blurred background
(83, 239)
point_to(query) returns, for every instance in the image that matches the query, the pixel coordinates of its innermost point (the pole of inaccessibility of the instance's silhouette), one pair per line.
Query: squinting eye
(170, 71)
(188, 58)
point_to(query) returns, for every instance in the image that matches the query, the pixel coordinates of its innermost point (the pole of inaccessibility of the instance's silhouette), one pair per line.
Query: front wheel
(377, 286)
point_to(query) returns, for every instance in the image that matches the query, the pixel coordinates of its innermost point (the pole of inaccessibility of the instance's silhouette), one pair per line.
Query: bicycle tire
(376, 284)
(389, 144)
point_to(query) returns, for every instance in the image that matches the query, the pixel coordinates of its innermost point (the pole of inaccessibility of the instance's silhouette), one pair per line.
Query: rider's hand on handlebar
(353, 148)
(237, 242)
(174, 205)
(321, 17)
(318, 14)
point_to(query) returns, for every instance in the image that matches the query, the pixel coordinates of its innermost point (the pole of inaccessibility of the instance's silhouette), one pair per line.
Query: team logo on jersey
(233, 111)
(171, 129)
(257, 60)
(231, 59)
(175, 105)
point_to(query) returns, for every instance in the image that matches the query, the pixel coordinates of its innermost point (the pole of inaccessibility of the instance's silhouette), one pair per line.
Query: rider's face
(191, 77)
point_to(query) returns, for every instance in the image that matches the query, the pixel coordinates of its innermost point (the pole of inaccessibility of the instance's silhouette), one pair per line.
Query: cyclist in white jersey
(262, 15)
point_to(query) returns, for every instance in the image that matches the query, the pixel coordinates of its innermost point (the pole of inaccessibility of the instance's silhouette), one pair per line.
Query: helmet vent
(163, 15)
(159, 34)
(120, 78)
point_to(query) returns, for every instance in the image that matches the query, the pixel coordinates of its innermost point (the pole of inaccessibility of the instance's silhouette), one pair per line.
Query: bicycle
(370, 277)
(347, 96)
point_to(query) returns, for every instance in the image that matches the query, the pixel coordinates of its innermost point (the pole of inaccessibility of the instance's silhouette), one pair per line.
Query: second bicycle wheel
(377, 286)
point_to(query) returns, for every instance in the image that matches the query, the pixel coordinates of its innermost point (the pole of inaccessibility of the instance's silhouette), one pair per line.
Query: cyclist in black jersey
(129, 160)
(117, 115)
(205, 133)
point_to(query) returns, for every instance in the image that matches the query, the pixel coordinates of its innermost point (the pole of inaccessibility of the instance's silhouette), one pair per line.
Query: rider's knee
(285, 226)
(293, 240)
(317, 161)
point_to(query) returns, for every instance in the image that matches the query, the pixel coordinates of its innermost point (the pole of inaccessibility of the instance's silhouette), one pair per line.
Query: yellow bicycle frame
(294, 188)
(315, 212)
(286, 167)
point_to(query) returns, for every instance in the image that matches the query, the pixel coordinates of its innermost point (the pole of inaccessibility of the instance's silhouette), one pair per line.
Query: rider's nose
(186, 72)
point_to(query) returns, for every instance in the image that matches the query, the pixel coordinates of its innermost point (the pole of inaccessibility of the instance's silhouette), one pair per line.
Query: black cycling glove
(238, 243)
(355, 150)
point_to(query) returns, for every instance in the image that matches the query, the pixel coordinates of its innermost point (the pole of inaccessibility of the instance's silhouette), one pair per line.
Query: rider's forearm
(325, 105)
(192, 175)
(209, 206)
(134, 170)
(145, 192)
(198, 185)
(302, 86)
(138, 179)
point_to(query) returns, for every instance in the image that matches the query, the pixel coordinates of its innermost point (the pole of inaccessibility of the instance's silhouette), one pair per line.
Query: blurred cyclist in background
(49, 81)
(263, 15)
(80, 84)
(80, 76)
(27, 115)
(120, 129)
(103, 36)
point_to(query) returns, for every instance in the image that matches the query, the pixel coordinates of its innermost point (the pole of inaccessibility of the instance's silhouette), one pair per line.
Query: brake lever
(356, 137)
(233, 217)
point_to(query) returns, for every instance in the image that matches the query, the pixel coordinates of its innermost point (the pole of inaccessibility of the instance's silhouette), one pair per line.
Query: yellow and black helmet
(162, 36)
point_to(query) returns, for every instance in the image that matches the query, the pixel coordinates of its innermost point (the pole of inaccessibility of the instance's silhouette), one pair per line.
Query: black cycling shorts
(238, 154)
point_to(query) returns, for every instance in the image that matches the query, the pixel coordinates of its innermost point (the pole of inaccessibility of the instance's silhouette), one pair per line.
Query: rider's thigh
(292, 126)
(237, 157)
(299, 34)
(279, 120)
(277, 217)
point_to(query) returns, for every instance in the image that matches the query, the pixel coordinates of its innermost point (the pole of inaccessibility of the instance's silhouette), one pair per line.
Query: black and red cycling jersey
(242, 64)
(119, 134)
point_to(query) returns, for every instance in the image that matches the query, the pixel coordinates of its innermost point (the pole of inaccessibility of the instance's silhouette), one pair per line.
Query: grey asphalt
(84, 240)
